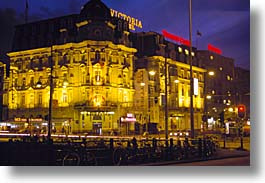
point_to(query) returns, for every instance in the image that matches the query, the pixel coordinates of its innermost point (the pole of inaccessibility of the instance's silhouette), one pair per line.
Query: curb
(195, 160)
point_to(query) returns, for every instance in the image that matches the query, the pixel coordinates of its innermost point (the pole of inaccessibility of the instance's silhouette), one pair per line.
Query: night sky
(222, 23)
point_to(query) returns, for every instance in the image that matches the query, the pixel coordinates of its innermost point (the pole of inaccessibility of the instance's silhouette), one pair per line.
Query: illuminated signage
(129, 115)
(133, 22)
(28, 119)
(20, 119)
(214, 49)
(129, 118)
(196, 86)
(175, 38)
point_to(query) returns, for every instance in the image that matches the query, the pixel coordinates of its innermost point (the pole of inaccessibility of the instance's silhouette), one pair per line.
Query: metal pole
(191, 74)
(50, 101)
(205, 102)
(166, 105)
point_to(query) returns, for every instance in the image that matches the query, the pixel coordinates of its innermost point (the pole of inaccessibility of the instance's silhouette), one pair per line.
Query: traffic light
(241, 111)
(222, 117)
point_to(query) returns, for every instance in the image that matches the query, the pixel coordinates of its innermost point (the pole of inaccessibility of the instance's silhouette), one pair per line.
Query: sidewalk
(221, 154)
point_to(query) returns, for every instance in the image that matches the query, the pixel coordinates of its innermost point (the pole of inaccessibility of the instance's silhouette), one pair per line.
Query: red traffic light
(241, 111)
(242, 108)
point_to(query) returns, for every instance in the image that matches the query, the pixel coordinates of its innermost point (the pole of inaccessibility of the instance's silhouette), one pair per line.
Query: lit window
(97, 76)
(98, 100)
(228, 78)
(221, 68)
(23, 100)
(188, 74)
(182, 73)
(193, 54)
(40, 98)
(213, 92)
(180, 50)
(186, 52)
(64, 97)
(24, 82)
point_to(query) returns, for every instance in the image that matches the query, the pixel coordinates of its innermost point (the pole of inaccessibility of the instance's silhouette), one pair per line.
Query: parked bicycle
(79, 156)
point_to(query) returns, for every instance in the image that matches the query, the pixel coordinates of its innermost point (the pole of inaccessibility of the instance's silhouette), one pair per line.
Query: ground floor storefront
(99, 121)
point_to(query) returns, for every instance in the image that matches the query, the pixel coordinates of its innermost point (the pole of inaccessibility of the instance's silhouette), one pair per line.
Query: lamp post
(51, 98)
(206, 96)
(191, 73)
(166, 104)
(152, 74)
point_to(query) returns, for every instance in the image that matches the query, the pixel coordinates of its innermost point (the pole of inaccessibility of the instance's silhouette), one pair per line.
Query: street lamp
(209, 97)
(166, 102)
(211, 73)
(152, 73)
(206, 96)
(50, 100)
(191, 73)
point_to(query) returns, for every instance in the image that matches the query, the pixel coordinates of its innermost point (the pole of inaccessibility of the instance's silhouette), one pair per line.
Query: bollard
(111, 142)
(134, 143)
(154, 143)
(128, 143)
(224, 141)
(186, 148)
(166, 143)
(171, 144)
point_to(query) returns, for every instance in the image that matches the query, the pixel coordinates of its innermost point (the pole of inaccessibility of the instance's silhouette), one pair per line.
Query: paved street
(224, 157)
(239, 161)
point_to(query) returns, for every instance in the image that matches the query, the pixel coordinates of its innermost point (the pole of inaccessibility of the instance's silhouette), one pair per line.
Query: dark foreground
(111, 152)
(238, 161)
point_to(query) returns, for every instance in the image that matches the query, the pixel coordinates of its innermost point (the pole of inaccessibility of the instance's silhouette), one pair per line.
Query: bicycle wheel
(71, 159)
(118, 157)
(90, 159)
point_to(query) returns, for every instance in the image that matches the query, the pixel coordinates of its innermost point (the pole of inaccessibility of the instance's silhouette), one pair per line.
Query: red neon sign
(175, 38)
(214, 49)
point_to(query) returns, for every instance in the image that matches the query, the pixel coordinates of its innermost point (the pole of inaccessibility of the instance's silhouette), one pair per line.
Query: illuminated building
(220, 81)
(105, 78)
(92, 61)
(242, 88)
(3, 87)
(150, 83)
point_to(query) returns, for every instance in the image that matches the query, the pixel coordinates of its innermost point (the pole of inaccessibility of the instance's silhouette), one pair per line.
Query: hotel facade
(105, 79)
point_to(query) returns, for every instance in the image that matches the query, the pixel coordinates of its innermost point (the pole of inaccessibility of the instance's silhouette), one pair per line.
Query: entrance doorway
(97, 128)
